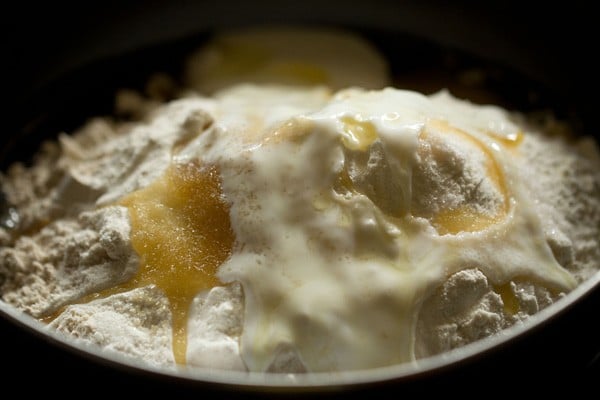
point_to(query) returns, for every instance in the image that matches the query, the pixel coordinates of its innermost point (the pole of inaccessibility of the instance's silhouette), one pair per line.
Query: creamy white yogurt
(331, 266)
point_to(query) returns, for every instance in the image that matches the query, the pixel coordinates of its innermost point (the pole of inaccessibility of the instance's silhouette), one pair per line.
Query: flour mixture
(292, 212)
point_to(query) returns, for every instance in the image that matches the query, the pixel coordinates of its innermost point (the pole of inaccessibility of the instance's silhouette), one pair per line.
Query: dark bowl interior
(64, 66)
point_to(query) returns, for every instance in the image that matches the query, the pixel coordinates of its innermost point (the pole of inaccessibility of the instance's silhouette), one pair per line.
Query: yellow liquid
(358, 135)
(465, 219)
(256, 61)
(462, 219)
(180, 229)
(511, 303)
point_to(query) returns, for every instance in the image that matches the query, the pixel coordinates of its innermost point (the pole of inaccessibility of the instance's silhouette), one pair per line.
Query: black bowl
(64, 65)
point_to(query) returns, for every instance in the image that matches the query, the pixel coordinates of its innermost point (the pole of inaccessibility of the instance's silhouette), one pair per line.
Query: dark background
(50, 50)
(553, 42)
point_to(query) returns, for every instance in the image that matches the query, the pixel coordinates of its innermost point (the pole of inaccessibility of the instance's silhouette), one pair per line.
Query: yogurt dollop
(338, 245)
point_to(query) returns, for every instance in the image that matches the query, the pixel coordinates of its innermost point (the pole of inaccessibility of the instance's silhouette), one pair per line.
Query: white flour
(66, 260)
(136, 323)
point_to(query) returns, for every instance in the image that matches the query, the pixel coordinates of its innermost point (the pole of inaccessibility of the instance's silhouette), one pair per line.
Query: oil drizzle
(182, 233)
(464, 219)
(356, 134)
